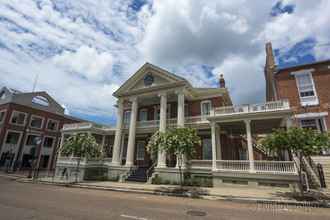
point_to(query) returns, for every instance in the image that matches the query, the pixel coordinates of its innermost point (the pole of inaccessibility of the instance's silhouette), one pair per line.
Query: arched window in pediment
(40, 100)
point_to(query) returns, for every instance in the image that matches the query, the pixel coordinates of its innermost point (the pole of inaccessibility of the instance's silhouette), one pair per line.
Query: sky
(82, 51)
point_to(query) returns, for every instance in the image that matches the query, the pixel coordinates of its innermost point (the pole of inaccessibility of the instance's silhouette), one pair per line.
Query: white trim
(42, 121)
(303, 71)
(137, 150)
(143, 110)
(311, 115)
(308, 100)
(4, 115)
(16, 147)
(201, 106)
(13, 131)
(12, 115)
(57, 126)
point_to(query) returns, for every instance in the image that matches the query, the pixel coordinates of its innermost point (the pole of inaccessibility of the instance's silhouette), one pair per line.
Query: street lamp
(35, 156)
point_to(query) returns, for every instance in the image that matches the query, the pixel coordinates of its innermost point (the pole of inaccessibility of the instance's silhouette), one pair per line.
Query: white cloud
(83, 50)
(86, 61)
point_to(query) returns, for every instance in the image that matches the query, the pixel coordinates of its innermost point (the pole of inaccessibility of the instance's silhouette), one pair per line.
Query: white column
(249, 143)
(214, 145)
(161, 163)
(131, 134)
(218, 139)
(118, 135)
(180, 124)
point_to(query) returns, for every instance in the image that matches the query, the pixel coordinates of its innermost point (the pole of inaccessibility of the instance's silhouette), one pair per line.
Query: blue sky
(82, 51)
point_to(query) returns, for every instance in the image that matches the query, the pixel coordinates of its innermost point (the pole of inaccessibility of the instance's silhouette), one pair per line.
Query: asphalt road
(36, 201)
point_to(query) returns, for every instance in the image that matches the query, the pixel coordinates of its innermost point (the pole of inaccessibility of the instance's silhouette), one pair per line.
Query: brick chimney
(222, 82)
(269, 71)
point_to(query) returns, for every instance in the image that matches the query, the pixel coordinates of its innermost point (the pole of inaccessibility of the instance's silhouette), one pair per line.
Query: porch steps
(138, 175)
(325, 161)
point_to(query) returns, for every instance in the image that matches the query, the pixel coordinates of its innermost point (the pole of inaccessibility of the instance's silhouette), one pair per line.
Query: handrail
(150, 169)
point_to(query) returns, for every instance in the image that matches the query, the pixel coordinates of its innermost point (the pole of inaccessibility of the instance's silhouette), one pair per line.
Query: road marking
(133, 217)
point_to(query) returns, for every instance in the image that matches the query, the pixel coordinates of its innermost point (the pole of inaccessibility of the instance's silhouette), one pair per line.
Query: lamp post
(35, 154)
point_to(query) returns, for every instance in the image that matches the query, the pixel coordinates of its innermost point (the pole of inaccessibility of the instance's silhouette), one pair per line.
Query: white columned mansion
(154, 99)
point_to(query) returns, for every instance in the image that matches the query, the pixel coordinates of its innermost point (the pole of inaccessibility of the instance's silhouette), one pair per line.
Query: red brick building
(30, 123)
(305, 86)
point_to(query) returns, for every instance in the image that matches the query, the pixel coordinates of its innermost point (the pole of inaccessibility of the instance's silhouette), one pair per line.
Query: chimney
(270, 61)
(222, 82)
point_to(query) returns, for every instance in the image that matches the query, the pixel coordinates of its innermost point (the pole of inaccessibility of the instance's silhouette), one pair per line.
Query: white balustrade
(260, 166)
(233, 165)
(253, 108)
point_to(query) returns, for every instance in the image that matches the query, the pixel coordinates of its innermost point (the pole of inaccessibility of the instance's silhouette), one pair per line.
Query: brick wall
(286, 88)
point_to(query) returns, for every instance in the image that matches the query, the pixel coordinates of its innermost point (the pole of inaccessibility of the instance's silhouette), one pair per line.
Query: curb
(188, 195)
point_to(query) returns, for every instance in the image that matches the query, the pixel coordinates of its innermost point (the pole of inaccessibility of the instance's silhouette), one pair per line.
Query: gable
(148, 77)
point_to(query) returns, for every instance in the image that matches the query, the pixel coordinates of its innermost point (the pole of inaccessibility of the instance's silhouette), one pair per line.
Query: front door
(142, 157)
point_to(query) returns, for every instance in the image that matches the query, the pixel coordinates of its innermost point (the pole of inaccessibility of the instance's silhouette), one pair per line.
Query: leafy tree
(301, 142)
(179, 141)
(81, 145)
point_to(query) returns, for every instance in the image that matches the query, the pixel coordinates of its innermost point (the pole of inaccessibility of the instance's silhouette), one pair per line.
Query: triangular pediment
(148, 76)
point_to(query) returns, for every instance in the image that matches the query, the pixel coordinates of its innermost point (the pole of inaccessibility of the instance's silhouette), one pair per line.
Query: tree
(81, 145)
(179, 141)
(301, 142)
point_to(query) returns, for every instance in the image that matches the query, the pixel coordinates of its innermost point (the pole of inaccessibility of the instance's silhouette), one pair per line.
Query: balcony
(252, 108)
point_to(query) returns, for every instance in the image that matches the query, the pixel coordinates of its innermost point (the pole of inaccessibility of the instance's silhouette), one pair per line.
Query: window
(207, 149)
(205, 107)
(143, 115)
(306, 89)
(32, 140)
(18, 118)
(48, 142)
(140, 151)
(2, 116)
(309, 123)
(52, 125)
(157, 112)
(36, 122)
(127, 117)
(12, 138)
(40, 100)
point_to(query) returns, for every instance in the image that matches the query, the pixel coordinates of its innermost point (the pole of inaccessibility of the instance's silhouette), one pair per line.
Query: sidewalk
(277, 195)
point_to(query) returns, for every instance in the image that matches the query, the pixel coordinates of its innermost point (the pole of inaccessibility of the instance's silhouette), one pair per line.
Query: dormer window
(40, 100)
(306, 88)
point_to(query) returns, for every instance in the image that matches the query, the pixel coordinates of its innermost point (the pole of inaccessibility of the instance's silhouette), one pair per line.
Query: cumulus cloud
(86, 61)
(84, 50)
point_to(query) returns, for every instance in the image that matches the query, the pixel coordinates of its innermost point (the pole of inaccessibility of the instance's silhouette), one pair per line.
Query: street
(37, 201)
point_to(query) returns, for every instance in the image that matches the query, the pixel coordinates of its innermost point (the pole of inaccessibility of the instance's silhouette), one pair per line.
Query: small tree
(301, 142)
(81, 145)
(179, 141)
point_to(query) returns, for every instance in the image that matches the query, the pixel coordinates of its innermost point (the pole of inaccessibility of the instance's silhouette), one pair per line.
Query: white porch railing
(172, 122)
(233, 165)
(82, 125)
(279, 167)
(260, 166)
(252, 108)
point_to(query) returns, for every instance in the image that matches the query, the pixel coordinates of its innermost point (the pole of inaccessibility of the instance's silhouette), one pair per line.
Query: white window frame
(13, 131)
(42, 121)
(57, 124)
(168, 112)
(206, 102)
(307, 100)
(138, 148)
(12, 115)
(26, 139)
(126, 118)
(146, 112)
(43, 142)
(4, 115)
